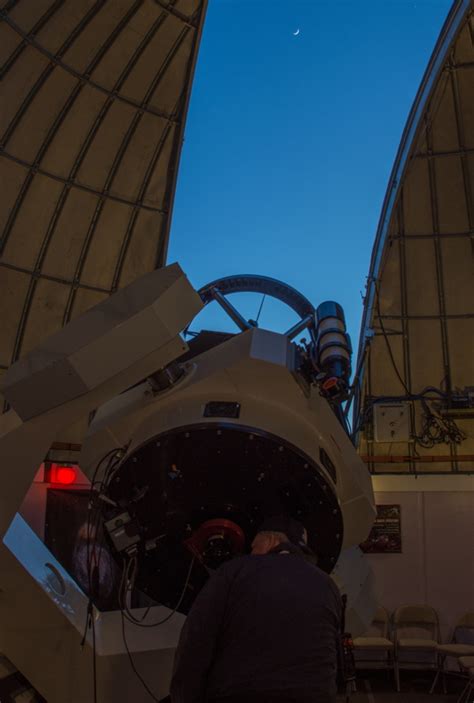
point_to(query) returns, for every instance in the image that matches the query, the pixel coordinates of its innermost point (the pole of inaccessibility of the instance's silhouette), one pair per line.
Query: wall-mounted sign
(385, 536)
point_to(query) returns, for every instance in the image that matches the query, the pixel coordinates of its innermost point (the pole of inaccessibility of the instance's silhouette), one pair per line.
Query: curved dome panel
(418, 323)
(94, 97)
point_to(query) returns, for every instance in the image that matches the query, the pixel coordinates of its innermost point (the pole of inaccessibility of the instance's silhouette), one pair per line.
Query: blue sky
(290, 141)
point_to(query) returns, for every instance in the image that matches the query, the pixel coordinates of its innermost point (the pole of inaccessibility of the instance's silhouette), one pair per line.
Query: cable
(437, 430)
(355, 381)
(94, 658)
(361, 418)
(92, 529)
(123, 589)
(132, 580)
(389, 348)
(136, 621)
(129, 572)
(132, 663)
(91, 624)
(125, 614)
(422, 395)
(362, 360)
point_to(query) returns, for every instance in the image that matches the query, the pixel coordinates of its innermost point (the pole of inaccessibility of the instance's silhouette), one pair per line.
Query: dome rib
(417, 331)
(95, 96)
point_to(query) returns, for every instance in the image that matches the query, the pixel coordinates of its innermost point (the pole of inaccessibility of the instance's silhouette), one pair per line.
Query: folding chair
(416, 631)
(467, 665)
(461, 645)
(376, 642)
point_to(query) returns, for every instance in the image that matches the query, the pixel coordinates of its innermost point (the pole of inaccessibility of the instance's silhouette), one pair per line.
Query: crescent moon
(295, 34)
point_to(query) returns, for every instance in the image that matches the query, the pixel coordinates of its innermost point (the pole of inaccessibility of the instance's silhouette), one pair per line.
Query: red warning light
(65, 475)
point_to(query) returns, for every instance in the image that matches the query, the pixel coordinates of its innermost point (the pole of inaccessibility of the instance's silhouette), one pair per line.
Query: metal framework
(417, 328)
(94, 96)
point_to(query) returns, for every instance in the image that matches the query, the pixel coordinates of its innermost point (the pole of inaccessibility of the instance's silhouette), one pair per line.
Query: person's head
(266, 540)
(278, 530)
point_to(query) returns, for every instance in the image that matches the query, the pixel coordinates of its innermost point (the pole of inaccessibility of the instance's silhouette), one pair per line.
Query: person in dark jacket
(265, 628)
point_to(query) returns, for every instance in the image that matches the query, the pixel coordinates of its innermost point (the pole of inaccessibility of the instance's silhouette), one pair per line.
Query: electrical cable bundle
(98, 492)
(428, 393)
(437, 429)
(129, 573)
(127, 585)
(113, 459)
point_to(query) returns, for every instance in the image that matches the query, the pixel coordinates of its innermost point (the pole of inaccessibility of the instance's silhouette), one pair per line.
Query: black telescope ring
(251, 283)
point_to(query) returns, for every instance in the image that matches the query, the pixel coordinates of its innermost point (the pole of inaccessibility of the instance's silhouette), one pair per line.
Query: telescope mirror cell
(180, 479)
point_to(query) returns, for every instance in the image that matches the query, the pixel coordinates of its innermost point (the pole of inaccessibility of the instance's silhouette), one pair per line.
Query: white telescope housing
(237, 434)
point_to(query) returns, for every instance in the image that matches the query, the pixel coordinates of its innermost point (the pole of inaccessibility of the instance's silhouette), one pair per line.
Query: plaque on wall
(385, 536)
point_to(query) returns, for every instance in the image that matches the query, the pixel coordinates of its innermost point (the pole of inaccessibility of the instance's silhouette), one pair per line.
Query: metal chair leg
(470, 690)
(435, 681)
(391, 666)
(396, 669)
(464, 693)
(440, 659)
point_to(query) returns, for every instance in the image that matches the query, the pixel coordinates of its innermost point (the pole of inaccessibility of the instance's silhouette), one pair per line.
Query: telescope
(189, 443)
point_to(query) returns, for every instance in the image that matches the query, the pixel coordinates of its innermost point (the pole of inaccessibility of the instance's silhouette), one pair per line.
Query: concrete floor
(379, 687)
